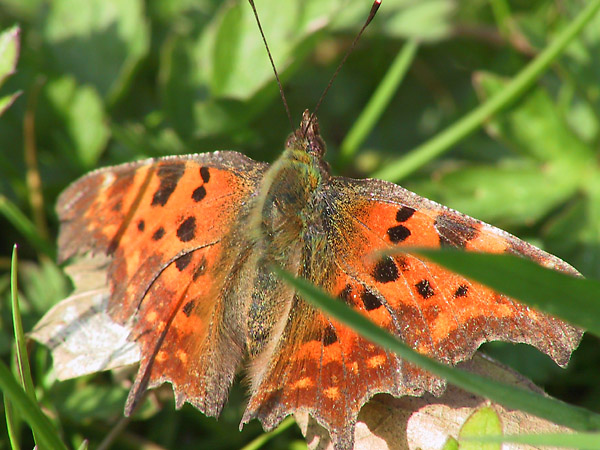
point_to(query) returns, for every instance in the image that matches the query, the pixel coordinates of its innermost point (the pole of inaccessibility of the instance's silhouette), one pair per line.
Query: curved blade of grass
(443, 141)
(261, 440)
(512, 397)
(25, 227)
(588, 441)
(378, 102)
(45, 433)
(11, 427)
(576, 300)
(22, 357)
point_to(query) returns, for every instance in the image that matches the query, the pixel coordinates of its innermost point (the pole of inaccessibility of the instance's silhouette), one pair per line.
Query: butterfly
(172, 261)
(172, 264)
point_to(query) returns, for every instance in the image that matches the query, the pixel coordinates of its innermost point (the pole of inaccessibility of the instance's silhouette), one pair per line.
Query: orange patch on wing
(376, 361)
(303, 383)
(182, 356)
(484, 241)
(332, 393)
(161, 356)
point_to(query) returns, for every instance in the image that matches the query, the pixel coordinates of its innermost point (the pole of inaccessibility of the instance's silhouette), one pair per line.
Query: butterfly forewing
(168, 226)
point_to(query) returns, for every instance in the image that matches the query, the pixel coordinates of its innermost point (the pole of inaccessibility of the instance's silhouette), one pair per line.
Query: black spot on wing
(205, 174)
(329, 336)
(199, 193)
(453, 231)
(169, 175)
(141, 225)
(398, 233)
(424, 289)
(200, 269)
(183, 261)
(158, 234)
(188, 307)
(187, 230)
(370, 300)
(385, 270)
(461, 291)
(404, 214)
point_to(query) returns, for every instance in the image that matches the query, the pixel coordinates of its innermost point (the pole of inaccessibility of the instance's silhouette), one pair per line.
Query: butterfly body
(187, 245)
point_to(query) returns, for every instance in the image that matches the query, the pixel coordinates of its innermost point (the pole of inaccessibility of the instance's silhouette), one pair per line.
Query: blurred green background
(109, 81)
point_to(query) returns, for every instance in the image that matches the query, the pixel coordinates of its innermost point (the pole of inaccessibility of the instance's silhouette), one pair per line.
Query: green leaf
(219, 78)
(22, 223)
(535, 126)
(7, 101)
(9, 52)
(483, 422)
(91, 401)
(22, 397)
(571, 298)
(424, 20)
(445, 140)
(507, 395)
(99, 42)
(86, 132)
(378, 103)
(451, 444)
(587, 441)
(9, 55)
(575, 233)
(518, 192)
(44, 284)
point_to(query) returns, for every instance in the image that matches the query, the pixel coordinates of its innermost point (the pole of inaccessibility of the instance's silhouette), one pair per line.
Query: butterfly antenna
(285, 104)
(374, 8)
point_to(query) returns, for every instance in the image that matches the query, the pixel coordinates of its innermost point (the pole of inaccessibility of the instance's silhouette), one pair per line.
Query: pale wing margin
(81, 335)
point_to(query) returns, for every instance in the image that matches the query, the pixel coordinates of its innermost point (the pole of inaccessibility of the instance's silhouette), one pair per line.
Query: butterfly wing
(163, 235)
(324, 368)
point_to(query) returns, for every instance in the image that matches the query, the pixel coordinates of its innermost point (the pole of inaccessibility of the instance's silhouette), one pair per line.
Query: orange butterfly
(171, 260)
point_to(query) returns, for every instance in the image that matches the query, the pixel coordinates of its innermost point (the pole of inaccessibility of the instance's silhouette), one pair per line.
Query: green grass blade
(588, 441)
(443, 141)
(22, 357)
(44, 431)
(378, 102)
(576, 300)
(502, 16)
(25, 227)
(261, 440)
(11, 427)
(512, 397)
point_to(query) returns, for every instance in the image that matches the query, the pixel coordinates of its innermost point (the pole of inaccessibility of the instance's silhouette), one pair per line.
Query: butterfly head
(307, 137)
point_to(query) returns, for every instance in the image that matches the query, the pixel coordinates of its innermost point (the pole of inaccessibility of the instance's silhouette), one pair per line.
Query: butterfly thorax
(292, 188)
(286, 225)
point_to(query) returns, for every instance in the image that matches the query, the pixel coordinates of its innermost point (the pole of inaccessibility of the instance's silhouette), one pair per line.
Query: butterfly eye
(316, 146)
(290, 141)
